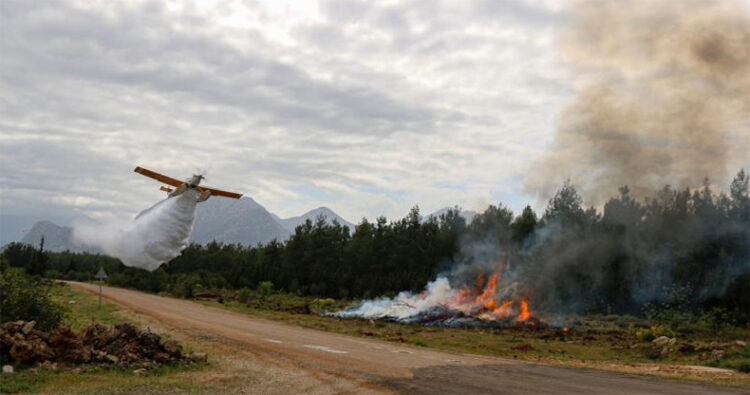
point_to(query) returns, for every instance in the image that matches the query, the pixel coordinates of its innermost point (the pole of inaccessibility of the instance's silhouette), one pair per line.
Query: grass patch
(11, 384)
(737, 359)
(83, 308)
(92, 378)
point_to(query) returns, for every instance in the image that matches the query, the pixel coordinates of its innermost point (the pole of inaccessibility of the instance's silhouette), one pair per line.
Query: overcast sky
(366, 107)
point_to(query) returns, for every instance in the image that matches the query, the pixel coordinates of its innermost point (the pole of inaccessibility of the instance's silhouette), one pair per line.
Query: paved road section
(393, 366)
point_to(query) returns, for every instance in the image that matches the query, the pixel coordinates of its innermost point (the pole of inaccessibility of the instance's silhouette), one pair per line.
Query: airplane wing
(159, 177)
(219, 192)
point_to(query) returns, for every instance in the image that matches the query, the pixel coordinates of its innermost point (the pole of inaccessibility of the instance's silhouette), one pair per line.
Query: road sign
(101, 276)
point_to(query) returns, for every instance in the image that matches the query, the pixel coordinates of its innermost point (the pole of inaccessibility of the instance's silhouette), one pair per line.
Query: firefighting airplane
(182, 186)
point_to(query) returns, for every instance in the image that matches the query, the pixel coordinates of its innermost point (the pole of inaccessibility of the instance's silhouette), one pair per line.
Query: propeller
(201, 173)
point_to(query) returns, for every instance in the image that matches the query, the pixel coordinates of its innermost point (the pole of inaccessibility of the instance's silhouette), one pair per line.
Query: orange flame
(504, 310)
(525, 313)
(479, 300)
(489, 290)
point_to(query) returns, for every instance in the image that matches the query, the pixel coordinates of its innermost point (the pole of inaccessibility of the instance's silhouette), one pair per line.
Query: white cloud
(361, 106)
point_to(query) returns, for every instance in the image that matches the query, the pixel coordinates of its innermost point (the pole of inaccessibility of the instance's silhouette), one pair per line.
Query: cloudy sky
(366, 107)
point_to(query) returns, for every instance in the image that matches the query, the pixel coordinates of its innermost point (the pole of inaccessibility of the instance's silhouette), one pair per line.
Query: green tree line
(683, 248)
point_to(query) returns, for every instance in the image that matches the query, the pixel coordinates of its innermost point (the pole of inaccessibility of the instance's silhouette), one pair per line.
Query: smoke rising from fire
(664, 99)
(475, 292)
(406, 304)
(155, 236)
(664, 95)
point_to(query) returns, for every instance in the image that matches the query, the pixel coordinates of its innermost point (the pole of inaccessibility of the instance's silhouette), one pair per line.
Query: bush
(186, 286)
(685, 320)
(651, 352)
(265, 288)
(714, 319)
(324, 302)
(742, 366)
(24, 298)
(244, 295)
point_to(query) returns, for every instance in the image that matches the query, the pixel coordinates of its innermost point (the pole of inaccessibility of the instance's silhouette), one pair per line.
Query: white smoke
(479, 293)
(405, 304)
(155, 236)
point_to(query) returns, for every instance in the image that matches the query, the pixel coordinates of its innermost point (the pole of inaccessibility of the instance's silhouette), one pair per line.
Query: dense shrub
(23, 297)
(244, 295)
(265, 288)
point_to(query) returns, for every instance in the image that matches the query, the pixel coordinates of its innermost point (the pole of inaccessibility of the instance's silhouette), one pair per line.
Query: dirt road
(384, 365)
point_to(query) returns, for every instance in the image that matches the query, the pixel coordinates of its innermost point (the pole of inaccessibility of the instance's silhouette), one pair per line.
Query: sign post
(101, 276)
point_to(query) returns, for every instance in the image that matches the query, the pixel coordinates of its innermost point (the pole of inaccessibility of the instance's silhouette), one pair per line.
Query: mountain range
(242, 221)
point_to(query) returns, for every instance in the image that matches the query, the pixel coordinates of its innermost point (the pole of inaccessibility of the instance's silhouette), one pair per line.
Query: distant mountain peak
(330, 215)
(242, 221)
(56, 238)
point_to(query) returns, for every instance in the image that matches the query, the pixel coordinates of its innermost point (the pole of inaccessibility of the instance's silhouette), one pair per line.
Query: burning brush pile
(489, 301)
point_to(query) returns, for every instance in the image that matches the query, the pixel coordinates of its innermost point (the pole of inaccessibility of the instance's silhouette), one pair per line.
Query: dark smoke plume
(664, 97)
(663, 104)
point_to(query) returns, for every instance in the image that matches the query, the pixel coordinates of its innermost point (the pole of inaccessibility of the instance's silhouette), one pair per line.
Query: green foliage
(19, 255)
(323, 302)
(84, 308)
(651, 352)
(736, 359)
(186, 285)
(565, 207)
(26, 298)
(13, 384)
(741, 366)
(265, 288)
(524, 225)
(244, 295)
(714, 319)
(677, 312)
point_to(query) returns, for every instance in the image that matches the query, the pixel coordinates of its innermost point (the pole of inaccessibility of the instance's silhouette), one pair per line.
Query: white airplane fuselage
(191, 183)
